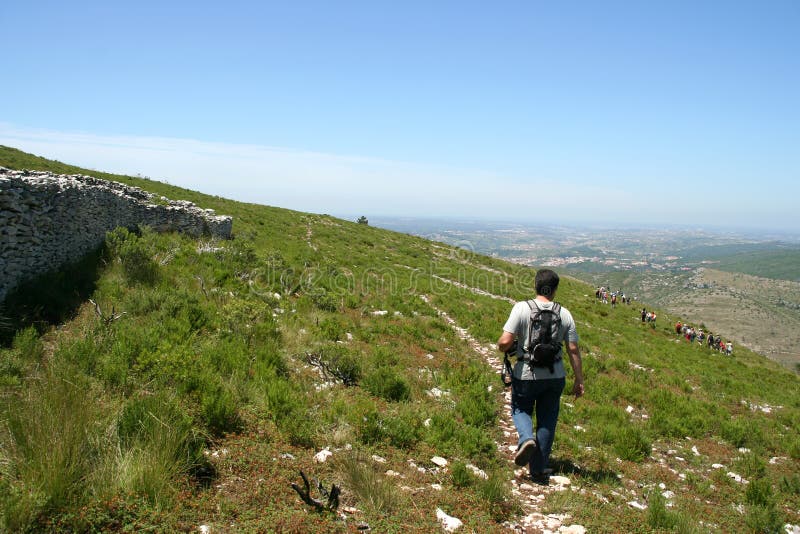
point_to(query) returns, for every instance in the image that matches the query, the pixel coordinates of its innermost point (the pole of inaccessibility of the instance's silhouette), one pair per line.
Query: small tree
(362, 220)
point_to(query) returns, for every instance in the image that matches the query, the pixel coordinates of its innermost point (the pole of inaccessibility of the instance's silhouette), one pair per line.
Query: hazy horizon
(624, 113)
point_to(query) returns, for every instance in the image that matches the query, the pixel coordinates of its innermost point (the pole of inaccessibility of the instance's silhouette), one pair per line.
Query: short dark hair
(546, 282)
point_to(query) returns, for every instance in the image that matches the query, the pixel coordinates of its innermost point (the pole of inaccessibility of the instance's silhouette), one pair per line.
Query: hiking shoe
(542, 479)
(524, 452)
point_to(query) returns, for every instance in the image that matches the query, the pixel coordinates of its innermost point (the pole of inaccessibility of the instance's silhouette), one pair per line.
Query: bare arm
(505, 342)
(577, 368)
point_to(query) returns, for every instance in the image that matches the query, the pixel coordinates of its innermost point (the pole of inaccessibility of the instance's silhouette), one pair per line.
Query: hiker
(728, 348)
(538, 376)
(644, 313)
(678, 327)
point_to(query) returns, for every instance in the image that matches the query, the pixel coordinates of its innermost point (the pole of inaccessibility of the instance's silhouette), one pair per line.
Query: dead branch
(202, 286)
(305, 493)
(106, 319)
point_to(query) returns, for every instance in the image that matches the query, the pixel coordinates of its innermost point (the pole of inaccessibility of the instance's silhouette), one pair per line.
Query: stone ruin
(49, 220)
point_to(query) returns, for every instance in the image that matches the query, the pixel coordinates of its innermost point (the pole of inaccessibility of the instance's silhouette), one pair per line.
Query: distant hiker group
(710, 340)
(602, 294)
(648, 316)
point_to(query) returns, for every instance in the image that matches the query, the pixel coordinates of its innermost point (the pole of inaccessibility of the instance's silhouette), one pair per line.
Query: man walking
(539, 388)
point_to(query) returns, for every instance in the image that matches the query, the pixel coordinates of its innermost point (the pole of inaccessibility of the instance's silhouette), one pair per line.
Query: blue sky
(651, 112)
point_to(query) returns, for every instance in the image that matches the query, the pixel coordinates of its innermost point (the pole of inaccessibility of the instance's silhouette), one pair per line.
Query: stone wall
(49, 220)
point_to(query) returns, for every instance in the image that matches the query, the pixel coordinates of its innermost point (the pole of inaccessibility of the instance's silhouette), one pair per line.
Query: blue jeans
(545, 397)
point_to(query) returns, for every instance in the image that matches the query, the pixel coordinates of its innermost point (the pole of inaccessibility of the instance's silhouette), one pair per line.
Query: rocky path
(530, 495)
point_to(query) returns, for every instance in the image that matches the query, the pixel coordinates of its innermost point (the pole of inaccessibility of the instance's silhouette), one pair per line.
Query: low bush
(631, 444)
(137, 261)
(461, 476)
(386, 383)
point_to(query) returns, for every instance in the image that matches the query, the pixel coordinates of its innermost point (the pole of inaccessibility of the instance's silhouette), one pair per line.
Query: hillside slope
(208, 374)
(759, 313)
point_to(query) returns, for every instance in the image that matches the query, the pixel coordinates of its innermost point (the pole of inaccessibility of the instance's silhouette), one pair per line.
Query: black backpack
(544, 345)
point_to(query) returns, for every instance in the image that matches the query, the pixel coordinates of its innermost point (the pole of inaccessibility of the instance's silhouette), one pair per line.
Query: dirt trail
(530, 495)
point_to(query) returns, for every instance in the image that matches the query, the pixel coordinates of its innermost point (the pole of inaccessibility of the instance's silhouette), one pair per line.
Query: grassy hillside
(208, 374)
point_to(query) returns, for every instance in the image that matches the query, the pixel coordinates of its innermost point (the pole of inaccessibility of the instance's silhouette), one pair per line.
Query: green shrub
(658, 517)
(324, 301)
(740, 433)
(763, 519)
(461, 475)
(759, 493)
(28, 344)
(752, 465)
(790, 484)
(448, 436)
(332, 329)
(289, 410)
(372, 429)
(137, 261)
(477, 406)
(384, 382)
(631, 444)
(268, 361)
(220, 411)
(402, 430)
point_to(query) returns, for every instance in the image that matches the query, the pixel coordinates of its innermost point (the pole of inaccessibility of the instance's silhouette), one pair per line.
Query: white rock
(391, 473)
(560, 481)
(662, 486)
(629, 409)
(429, 356)
(426, 423)
(695, 451)
(744, 450)
(437, 487)
(349, 336)
(579, 428)
(322, 456)
(203, 529)
(791, 529)
(668, 494)
(572, 529)
(449, 523)
(378, 459)
(480, 473)
(717, 466)
(438, 460)
(380, 312)
(737, 478)
(637, 505)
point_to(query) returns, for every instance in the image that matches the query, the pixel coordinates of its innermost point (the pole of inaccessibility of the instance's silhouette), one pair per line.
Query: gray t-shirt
(517, 324)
